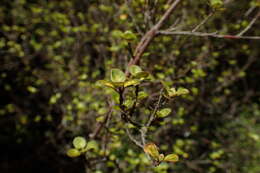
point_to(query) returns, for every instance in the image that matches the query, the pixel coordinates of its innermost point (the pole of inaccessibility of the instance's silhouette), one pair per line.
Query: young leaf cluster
(118, 78)
(81, 146)
(153, 151)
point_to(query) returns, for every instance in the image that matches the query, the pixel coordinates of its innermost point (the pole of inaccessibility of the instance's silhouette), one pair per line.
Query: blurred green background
(52, 52)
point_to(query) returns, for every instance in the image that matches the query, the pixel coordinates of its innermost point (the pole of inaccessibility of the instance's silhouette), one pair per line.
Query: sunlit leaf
(165, 85)
(142, 95)
(117, 75)
(172, 92)
(142, 75)
(134, 69)
(129, 35)
(129, 103)
(152, 150)
(118, 84)
(106, 83)
(182, 91)
(164, 112)
(73, 152)
(92, 145)
(79, 142)
(132, 82)
(171, 158)
(217, 4)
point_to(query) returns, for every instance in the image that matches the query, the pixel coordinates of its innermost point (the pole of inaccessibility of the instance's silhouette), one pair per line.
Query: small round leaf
(92, 145)
(129, 35)
(142, 75)
(182, 91)
(152, 150)
(73, 152)
(171, 158)
(117, 75)
(128, 103)
(164, 112)
(79, 142)
(142, 95)
(134, 69)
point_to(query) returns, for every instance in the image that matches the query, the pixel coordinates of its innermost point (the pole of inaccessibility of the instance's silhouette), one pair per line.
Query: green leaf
(32, 89)
(106, 83)
(117, 75)
(165, 85)
(100, 119)
(182, 91)
(164, 112)
(172, 92)
(79, 142)
(132, 82)
(142, 95)
(129, 35)
(117, 33)
(73, 152)
(118, 84)
(152, 150)
(134, 69)
(92, 145)
(216, 4)
(129, 103)
(171, 158)
(141, 75)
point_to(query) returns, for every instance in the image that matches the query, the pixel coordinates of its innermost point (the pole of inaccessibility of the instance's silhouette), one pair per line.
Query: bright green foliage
(216, 4)
(182, 91)
(171, 158)
(141, 75)
(79, 142)
(172, 92)
(73, 152)
(92, 145)
(128, 35)
(164, 112)
(117, 76)
(142, 95)
(152, 150)
(82, 146)
(106, 83)
(129, 103)
(134, 70)
(131, 82)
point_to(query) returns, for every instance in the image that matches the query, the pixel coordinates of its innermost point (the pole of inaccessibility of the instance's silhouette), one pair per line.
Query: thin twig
(131, 14)
(250, 24)
(148, 37)
(132, 138)
(250, 10)
(203, 22)
(153, 115)
(235, 77)
(143, 132)
(136, 100)
(202, 34)
(101, 125)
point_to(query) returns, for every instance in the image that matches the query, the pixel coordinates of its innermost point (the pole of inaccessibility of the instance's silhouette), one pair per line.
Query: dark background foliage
(53, 52)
